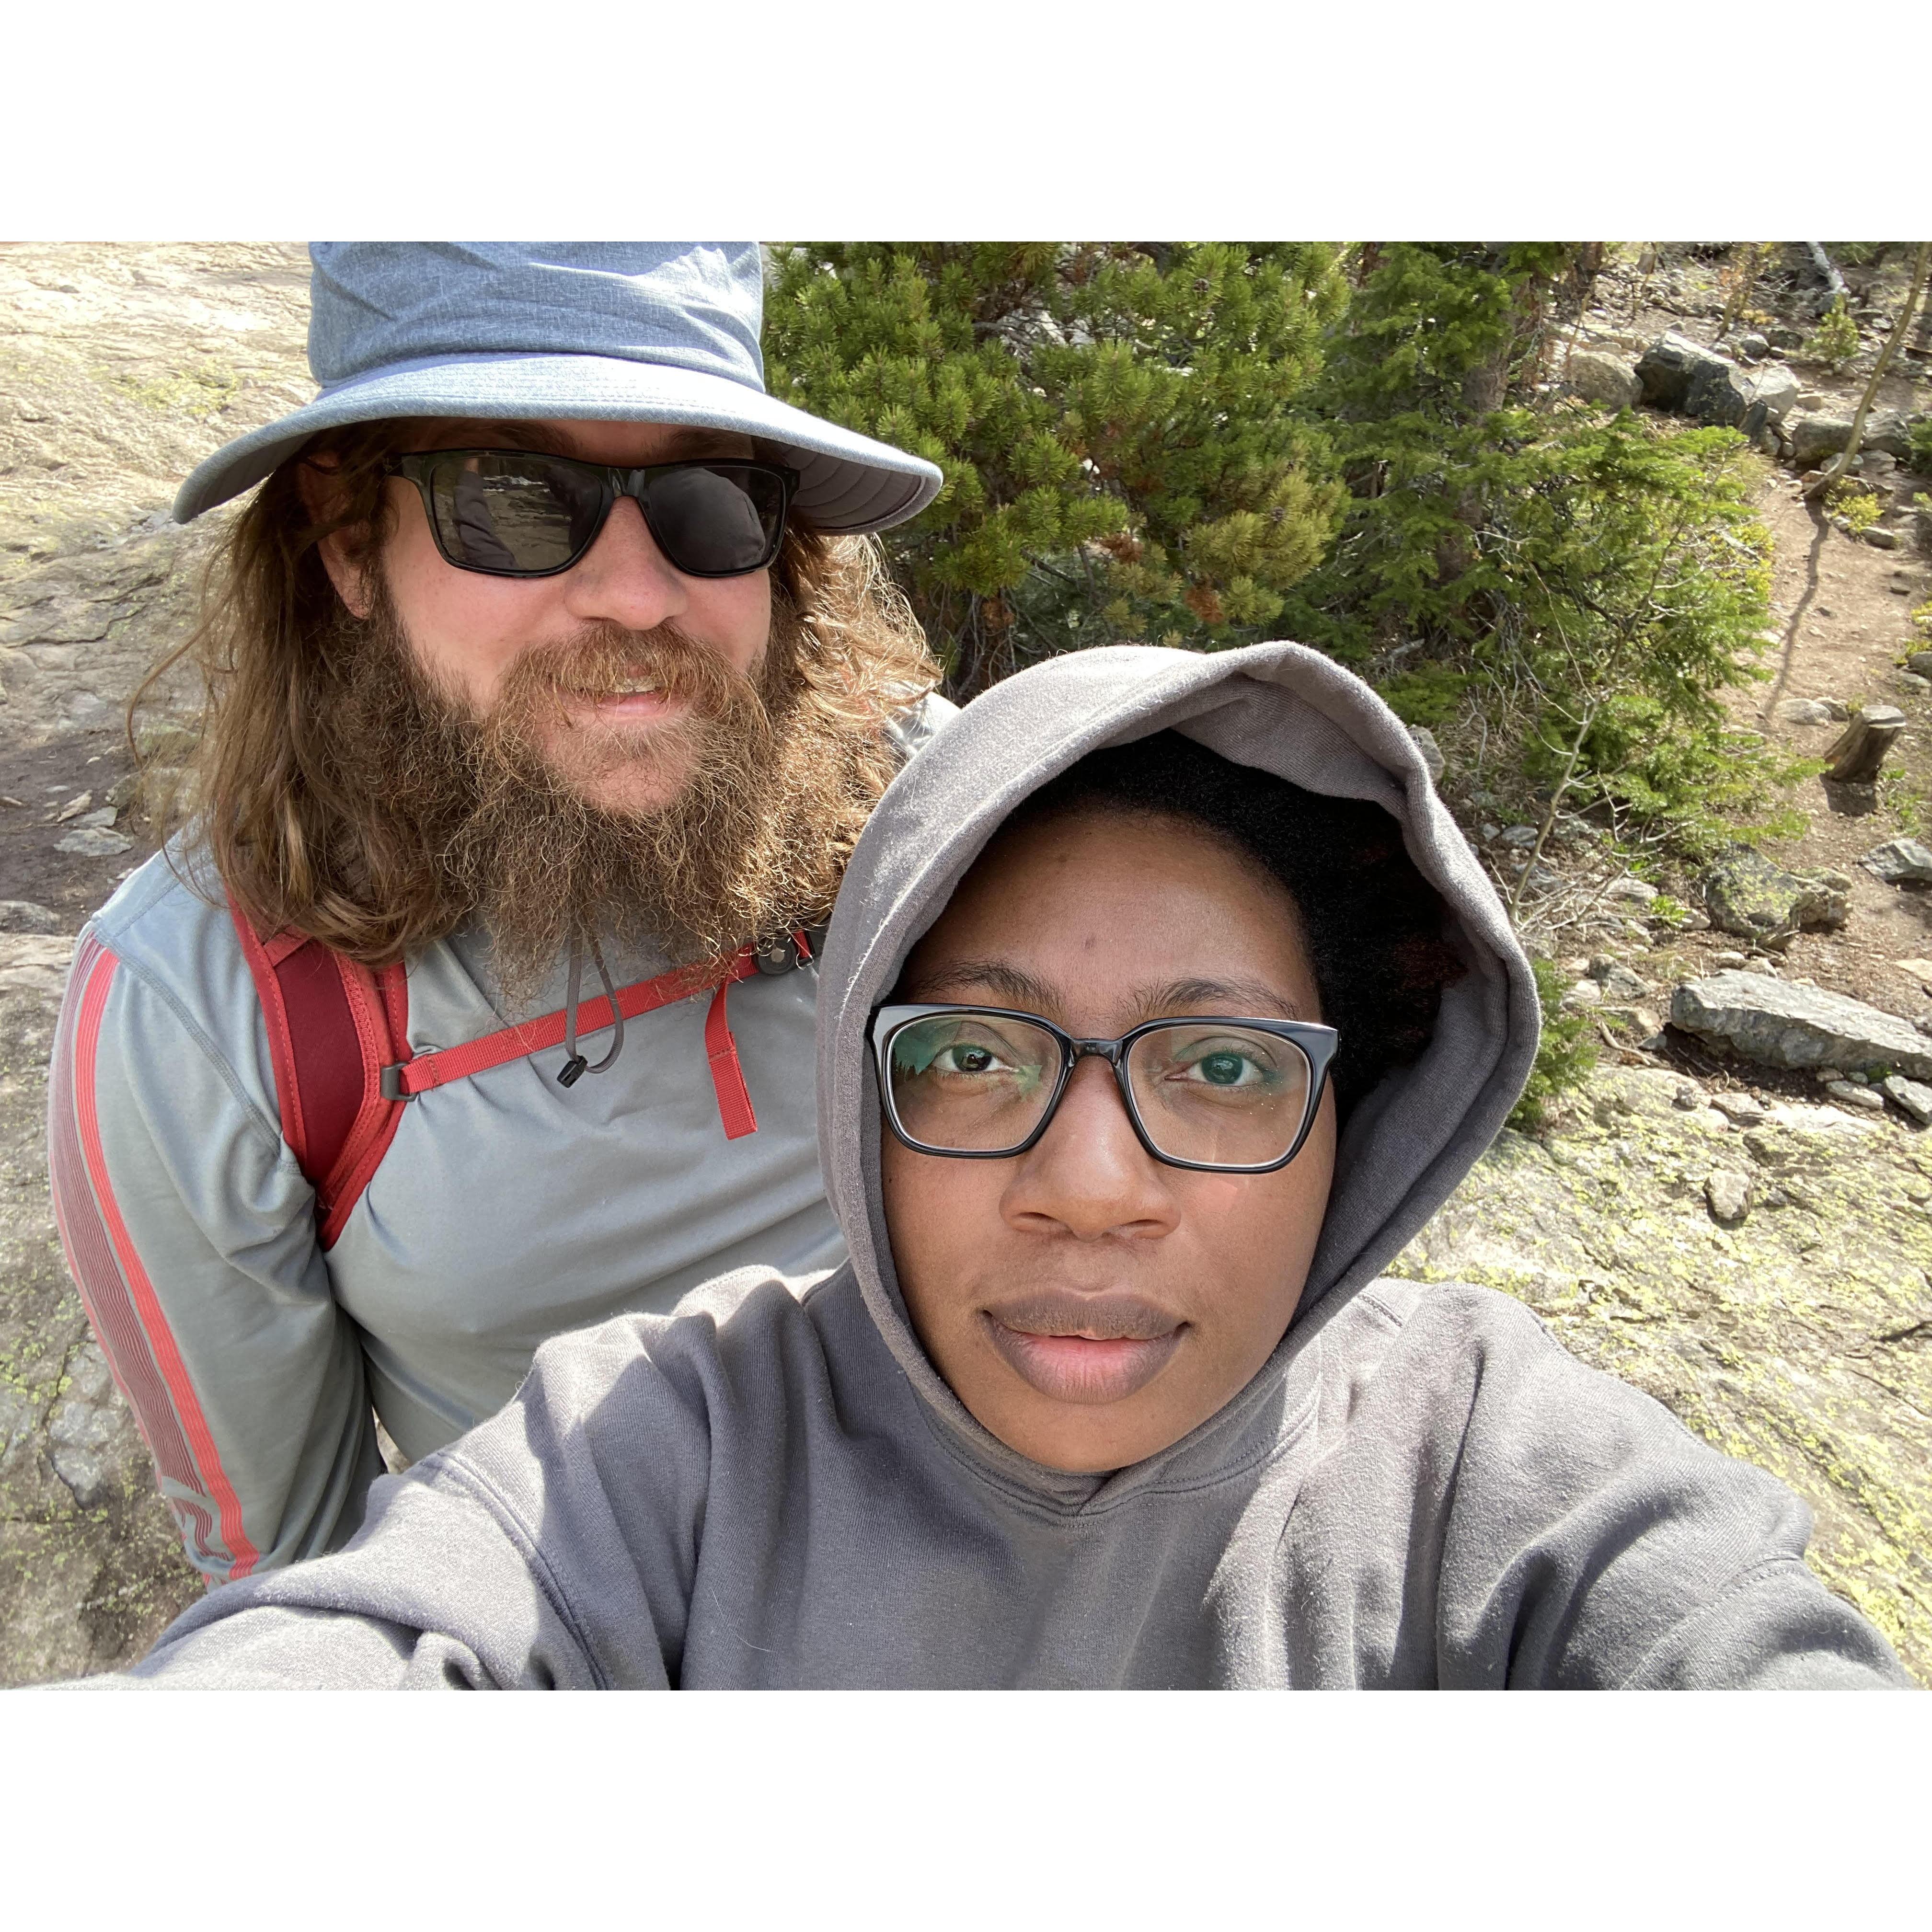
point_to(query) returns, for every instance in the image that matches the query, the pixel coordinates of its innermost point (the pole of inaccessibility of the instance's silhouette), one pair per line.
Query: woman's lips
(1049, 1353)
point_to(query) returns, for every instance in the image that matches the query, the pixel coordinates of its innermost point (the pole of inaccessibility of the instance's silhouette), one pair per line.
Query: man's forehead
(594, 442)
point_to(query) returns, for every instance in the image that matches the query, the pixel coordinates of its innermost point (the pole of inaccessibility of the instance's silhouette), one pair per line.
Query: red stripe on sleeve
(141, 1338)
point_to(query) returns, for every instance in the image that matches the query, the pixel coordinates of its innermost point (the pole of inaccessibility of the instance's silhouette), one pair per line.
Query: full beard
(772, 789)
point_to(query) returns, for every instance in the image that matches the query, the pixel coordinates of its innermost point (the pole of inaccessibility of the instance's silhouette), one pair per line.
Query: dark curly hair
(1372, 925)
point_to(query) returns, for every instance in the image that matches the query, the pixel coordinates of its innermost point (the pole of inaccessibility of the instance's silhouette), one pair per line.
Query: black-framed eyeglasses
(520, 513)
(1237, 1096)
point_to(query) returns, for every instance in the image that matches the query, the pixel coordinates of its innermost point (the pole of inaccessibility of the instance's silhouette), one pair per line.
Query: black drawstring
(575, 1066)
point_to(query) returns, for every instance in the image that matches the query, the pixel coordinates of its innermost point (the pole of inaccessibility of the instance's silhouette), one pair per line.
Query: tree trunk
(1834, 283)
(1839, 463)
(1861, 750)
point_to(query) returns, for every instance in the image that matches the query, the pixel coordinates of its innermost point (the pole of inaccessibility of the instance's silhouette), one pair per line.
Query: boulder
(1721, 392)
(1817, 438)
(1910, 1095)
(1745, 893)
(1885, 431)
(1900, 861)
(1804, 711)
(24, 915)
(1600, 377)
(1668, 367)
(1752, 347)
(1778, 1023)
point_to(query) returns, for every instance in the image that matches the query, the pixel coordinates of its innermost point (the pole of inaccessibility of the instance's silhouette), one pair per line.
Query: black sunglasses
(983, 1083)
(518, 513)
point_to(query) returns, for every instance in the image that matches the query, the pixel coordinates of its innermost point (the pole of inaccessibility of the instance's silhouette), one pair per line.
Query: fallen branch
(1833, 280)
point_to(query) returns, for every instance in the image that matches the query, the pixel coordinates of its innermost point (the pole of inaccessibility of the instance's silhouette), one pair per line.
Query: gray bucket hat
(624, 332)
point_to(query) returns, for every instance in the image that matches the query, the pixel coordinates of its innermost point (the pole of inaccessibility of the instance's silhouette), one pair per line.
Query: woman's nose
(623, 578)
(1089, 1173)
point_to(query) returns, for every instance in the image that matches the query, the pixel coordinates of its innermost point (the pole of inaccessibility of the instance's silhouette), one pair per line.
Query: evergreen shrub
(1124, 459)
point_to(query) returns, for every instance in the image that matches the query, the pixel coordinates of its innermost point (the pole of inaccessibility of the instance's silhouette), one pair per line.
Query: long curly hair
(274, 793)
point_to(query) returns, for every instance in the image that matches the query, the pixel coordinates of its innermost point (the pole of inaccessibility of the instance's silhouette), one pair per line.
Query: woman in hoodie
(1164, 1003)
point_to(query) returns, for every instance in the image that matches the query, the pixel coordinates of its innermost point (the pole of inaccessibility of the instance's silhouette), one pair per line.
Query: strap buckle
(390, 1081)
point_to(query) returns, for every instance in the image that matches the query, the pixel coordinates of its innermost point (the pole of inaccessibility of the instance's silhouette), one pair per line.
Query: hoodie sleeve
(1581, 1536)
(553, 1547)
(190, 1230)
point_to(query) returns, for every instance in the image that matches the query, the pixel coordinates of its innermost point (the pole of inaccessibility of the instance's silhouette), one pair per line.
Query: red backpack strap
(333, 1026)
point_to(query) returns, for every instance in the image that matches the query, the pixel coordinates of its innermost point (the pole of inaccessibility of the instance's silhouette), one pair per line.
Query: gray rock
(1816, 439)
(1777, 1023)
(1849, 1093)
(1920, 663)
(1720, 392)
(24, 915)
(1915, 1099)
(1520, 837)
(1667, 368)
(1432, 752)
(1886, 430)
(1900, 861)
(1745, 893)
(1753, 346)
(1630, 892)
(1728, 1195)
(1804, 711)
(1584, 993)
(1742, 1110)
(96, 841)
(1600, 377)
(101, 817)
(1880, 538)
(1618, 982)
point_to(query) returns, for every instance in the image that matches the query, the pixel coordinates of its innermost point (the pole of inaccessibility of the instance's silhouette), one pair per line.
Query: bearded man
(550, 643)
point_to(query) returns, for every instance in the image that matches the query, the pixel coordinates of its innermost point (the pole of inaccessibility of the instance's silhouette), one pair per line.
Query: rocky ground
(1750, 1243)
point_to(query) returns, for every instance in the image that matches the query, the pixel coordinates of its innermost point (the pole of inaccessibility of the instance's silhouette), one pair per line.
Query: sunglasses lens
(512, 514)
(972, 1083)
(1221, 1095)
(718, 520)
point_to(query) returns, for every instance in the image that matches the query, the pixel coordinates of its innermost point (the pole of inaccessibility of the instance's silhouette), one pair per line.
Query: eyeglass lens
(498, 510)
(980, 1083)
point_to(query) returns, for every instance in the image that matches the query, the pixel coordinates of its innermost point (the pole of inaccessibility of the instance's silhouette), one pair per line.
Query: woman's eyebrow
(1233, 998)
(1012, 983)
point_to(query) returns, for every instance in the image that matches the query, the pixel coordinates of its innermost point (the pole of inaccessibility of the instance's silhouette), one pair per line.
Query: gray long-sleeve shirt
(1419, 1488)
(507, 1209)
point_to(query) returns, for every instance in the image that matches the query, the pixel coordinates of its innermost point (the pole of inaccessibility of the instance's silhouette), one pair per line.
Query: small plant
(1668, 911)
(1835, 340)
(1921, 620)
(1565, 1055)
(1919, 441)
(1860, 508)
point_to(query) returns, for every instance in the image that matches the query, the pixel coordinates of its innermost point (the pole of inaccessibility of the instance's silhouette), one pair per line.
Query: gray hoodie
(770, 1487)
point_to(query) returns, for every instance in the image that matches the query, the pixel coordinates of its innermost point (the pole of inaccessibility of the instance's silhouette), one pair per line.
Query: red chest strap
(409, 1075)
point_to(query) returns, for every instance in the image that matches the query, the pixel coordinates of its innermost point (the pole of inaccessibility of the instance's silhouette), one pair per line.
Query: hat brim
(848, 482)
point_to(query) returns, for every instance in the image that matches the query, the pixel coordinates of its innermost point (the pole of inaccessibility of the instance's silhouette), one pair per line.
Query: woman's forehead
(1125, 907)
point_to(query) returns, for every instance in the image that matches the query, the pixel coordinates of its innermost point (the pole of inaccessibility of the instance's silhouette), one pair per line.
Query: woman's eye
(1223, 1069)
(961, 1059)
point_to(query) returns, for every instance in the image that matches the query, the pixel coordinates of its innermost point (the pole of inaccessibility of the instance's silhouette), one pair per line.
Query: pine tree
(1117, 422)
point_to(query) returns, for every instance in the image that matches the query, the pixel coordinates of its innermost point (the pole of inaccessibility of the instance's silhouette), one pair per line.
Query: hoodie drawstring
(575, 1066)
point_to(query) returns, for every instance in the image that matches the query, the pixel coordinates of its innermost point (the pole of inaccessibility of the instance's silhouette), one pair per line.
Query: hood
(1283, 708)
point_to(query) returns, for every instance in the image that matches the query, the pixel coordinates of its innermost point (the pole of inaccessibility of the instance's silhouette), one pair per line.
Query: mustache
(1114, 1316)
(544, 676)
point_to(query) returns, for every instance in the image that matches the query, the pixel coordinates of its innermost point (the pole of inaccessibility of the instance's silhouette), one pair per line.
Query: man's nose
(1089, 1173)
(623, 578)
